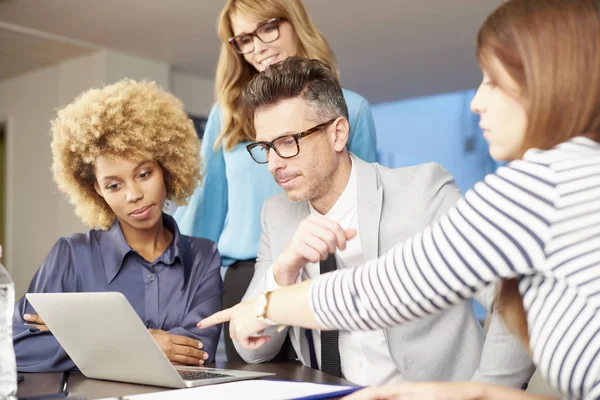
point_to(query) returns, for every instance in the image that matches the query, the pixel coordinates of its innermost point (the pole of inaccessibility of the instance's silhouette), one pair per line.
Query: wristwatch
(261, 310)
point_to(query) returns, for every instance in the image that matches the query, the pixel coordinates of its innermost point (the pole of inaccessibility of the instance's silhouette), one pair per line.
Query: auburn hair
(551, 49)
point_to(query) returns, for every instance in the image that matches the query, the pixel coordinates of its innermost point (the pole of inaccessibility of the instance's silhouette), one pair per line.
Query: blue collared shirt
(175, 291)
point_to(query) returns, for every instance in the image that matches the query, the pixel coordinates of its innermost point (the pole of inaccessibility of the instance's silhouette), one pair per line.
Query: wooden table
(41, 384)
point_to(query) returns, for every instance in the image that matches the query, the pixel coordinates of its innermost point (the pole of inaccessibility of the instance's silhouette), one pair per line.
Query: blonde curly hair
(129, 119)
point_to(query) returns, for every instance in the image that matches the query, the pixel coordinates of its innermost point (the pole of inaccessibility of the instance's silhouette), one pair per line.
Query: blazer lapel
(370, 200)
(370, 196)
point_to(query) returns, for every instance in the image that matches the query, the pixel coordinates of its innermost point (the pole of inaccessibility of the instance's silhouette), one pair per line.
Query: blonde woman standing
(227, 207)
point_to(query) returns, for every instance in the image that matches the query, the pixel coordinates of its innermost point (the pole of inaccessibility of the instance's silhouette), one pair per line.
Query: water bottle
(8, 364)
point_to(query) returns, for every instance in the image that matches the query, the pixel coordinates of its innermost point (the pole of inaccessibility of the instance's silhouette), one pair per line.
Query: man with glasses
(330, 195)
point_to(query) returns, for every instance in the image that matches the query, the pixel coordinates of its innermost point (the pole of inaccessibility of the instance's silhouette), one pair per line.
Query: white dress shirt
(365, 357)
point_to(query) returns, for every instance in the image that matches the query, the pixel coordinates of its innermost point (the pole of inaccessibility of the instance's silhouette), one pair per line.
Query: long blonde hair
(551, 49)
(233, 71)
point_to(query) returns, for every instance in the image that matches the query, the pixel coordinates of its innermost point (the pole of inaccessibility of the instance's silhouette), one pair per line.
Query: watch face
(261, 310)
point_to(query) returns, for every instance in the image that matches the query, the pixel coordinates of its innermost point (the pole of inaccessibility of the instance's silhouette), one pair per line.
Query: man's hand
(179, 349)
(244, 327)
(316, 238)
(35, 321)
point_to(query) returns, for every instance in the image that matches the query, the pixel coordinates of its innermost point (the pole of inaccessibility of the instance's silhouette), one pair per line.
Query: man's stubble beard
(319, 188)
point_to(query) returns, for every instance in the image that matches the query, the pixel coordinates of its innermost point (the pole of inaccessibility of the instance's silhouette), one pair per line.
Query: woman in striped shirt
(534, 224)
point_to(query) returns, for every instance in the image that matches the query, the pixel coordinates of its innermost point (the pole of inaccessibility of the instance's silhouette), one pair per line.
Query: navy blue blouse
(175, 291)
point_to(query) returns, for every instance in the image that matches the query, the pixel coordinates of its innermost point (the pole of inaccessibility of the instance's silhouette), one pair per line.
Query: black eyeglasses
(266, 32)
(285, 146)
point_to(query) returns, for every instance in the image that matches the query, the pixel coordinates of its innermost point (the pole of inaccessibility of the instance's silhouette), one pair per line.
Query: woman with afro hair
(119, 153)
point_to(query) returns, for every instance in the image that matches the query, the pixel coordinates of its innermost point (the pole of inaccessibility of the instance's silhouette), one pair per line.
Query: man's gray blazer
(393, 205)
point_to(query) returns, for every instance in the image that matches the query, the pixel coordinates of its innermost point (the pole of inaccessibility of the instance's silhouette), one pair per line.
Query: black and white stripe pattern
(537, 219)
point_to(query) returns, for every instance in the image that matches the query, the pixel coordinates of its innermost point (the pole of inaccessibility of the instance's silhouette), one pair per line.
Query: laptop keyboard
(198, 375)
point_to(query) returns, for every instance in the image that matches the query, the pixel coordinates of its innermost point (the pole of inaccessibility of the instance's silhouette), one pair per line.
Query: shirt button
(152, 277)
(151, 326)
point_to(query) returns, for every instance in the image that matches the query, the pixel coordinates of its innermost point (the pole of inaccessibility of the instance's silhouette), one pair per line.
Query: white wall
(37, 214)
(28, 102)
(116, 66)
(197, 94)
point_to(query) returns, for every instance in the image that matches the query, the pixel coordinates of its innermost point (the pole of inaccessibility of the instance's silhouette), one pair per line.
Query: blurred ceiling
(386, 49)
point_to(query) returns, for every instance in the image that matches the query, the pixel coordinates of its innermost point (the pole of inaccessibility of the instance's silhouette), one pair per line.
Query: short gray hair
(311, 80)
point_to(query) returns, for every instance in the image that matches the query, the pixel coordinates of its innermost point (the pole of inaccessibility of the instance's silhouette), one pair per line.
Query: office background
(413, 61)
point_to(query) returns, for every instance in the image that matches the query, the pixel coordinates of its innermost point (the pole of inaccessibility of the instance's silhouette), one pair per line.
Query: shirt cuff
(270, 282)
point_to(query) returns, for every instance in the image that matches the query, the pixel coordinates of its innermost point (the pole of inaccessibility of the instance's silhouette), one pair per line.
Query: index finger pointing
(216, 318)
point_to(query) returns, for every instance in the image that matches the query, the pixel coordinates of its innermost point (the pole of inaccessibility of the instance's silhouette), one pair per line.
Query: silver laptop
(106, 339)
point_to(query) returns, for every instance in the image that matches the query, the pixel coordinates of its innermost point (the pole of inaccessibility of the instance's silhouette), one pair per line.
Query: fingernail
(201, 362)
(200, 345)
(205, 356)
(26, 316)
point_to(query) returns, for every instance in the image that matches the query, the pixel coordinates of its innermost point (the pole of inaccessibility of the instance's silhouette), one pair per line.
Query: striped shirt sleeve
(497, 231)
